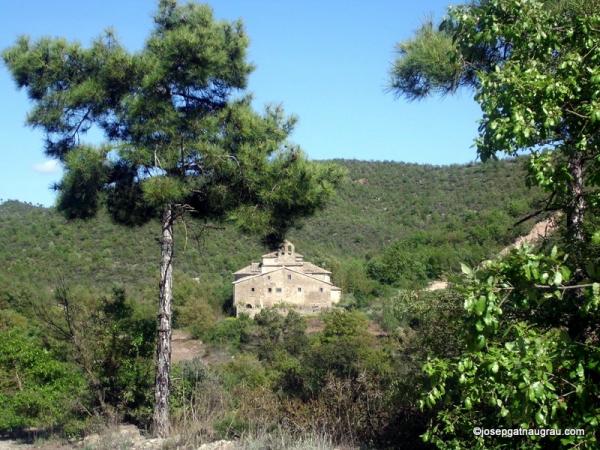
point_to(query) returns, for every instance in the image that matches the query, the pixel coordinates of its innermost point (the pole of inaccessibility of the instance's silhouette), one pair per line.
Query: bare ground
(185, 348)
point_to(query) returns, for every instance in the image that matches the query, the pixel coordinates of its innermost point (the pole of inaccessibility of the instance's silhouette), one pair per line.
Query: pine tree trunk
(576, 205)
(163, 348)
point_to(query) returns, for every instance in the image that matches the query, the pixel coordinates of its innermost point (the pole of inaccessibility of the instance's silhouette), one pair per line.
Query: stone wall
(283, 286)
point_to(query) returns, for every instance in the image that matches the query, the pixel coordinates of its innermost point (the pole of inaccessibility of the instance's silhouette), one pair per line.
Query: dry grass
(281, 439)
(257, 419)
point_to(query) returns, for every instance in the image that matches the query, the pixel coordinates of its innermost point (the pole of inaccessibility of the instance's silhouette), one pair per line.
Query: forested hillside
(391, 227)
(452, 214)
(105, 324)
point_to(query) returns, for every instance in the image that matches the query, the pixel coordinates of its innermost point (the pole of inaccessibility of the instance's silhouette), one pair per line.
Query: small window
(249, 306)
(268, 277)
(252, 289)
(289, 276)
(299, 289)
(270, 290)
(278, 289)
(320, 289)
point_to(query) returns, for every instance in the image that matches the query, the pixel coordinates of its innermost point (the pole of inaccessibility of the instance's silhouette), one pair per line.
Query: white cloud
(50, 166)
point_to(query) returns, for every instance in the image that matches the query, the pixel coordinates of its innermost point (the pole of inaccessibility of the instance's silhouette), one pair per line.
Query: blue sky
(325, 61)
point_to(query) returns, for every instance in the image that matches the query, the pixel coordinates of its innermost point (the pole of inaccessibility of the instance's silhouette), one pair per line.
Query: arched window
(249, 306)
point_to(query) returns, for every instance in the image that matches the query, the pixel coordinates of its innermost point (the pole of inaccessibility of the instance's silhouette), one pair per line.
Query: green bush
(403, 264)
(278, 333)
(232, 426)
(232, 331)
(111, 344)
(344, 349)
(36, 389)
(244, 370)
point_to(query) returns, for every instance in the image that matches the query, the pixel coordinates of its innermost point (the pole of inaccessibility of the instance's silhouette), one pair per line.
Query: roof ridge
(281, 268)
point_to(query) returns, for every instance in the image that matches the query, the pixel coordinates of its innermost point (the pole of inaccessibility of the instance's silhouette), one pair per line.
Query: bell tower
(286, 252)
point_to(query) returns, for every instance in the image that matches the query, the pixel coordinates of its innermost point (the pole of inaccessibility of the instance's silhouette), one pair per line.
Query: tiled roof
(252, 276)
(308, 267)
(251, 269)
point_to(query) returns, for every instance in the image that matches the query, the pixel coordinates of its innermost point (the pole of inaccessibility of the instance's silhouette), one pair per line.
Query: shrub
(112, 347)
(232, 331)
(278, 333)
(36, 389)
(244, 370)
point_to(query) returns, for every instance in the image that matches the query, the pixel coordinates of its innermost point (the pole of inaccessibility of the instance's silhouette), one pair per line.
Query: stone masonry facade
(284, 279)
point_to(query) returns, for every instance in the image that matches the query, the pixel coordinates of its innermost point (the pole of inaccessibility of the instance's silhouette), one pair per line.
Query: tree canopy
(534, 68)
(178, 128)
(531, 318)
(181, 138)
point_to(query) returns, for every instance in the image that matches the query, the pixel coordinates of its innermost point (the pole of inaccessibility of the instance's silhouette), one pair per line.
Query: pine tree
(181, 138)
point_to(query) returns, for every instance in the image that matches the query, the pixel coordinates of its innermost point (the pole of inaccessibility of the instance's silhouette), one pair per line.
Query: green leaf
(466, 269)
(479, 305)
(540, 418)
(557, 279)
(495, 367)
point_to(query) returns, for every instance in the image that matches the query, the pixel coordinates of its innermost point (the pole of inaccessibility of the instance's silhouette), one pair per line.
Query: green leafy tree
(401, 264)
(534, 68)
(532, 317)
(36, 389)
(180, 138)
(533, 358)
(111, 346)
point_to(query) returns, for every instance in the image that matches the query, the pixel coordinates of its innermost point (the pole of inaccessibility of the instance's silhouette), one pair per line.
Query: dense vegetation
(531, 368)
(446, 215)
(76, 362)
(385, 213)
(511, 348)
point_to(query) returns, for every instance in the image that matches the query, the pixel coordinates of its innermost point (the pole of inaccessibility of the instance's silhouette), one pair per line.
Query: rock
(437, 285)
(129, 431)
(123, 434)
(219, 445)
(149, 444)
(91, 440)
(9, 444)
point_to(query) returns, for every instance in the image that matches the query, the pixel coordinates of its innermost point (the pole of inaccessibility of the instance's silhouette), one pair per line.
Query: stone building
(283, 278)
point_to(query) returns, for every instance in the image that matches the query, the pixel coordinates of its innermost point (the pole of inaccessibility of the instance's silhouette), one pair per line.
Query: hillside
(464, 212)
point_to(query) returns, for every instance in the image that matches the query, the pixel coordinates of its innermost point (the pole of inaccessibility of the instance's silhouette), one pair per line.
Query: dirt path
(185, 348)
